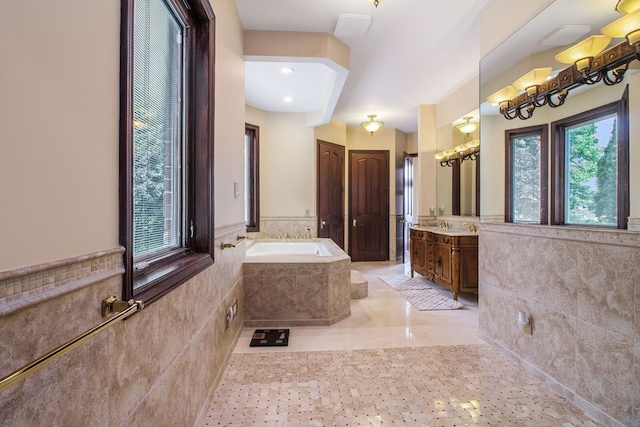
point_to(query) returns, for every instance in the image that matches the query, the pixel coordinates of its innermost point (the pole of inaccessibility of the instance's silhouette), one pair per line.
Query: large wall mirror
(559, 26)
(457, 184)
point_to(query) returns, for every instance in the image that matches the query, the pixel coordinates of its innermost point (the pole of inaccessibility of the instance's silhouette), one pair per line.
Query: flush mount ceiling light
(375, 2)
(591, 62)
(467, 127)
(287, 70)
(372, 125)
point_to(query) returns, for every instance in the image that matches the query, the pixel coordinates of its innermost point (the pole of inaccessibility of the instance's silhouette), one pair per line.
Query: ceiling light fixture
(467, 127)
(591, 61)
(288, 99)
(375, 2)
(287, 70)
(372, 125)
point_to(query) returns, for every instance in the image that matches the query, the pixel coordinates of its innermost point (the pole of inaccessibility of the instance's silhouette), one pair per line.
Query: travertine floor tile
(386, 365)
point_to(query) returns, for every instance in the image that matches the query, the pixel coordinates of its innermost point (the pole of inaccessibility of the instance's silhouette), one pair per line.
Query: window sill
(155, 284)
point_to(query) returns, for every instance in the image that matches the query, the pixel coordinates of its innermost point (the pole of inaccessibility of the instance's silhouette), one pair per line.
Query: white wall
(59, 123)
(287, 166)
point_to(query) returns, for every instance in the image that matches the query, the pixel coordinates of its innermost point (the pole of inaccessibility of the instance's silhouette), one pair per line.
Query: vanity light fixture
(458, 154)
(628, 6)
(467, 127)
(591, 62)
(372, 125)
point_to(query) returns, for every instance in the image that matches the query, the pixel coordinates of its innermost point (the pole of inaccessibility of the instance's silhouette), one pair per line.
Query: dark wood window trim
(455, 188)
(509, 135)
(253, 192)
(168, 272)
(558, 161)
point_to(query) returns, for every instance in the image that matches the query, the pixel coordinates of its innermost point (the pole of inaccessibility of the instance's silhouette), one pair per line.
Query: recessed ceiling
(307, 85)
(414, 51)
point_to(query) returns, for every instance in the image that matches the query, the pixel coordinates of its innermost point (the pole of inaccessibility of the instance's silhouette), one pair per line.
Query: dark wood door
(369, 205)
(331, 192)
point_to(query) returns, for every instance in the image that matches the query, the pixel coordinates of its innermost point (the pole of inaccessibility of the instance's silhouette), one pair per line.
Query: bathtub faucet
(309, 233)
(286, 236)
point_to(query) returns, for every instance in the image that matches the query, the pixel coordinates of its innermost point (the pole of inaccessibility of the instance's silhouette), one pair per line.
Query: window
(526, 175)
(166, 149)
(590, 172)
(251, 178)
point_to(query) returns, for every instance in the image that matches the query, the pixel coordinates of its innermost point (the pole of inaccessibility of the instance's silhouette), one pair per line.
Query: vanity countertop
(444, 232)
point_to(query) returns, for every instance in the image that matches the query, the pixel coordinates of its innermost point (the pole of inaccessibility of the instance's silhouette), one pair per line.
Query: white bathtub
(261, 249)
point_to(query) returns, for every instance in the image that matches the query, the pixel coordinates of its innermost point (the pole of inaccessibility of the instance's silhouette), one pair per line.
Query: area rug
(420, 294)
(401, 283)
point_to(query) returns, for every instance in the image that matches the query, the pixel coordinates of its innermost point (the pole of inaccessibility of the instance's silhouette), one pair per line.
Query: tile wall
(159, 367)
(582, 289)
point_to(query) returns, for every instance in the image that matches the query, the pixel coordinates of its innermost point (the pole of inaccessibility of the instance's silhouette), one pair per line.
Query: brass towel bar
(34, 366)
(239, 239)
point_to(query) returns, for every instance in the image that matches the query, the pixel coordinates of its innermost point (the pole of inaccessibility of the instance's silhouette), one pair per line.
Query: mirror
(559, 26)
(457, 186)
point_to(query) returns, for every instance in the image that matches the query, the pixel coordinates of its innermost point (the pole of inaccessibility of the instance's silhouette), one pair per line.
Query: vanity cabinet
(447, 259)
(418, 251)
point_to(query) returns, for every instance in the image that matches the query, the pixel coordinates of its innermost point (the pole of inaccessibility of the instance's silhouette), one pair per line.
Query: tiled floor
(387, 364)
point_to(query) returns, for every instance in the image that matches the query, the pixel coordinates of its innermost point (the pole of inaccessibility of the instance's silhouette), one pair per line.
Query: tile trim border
(26, 286)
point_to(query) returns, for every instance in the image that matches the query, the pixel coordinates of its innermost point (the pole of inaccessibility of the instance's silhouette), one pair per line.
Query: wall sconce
(372, 125)
(591, 61)
(467, 151)
(467, 127)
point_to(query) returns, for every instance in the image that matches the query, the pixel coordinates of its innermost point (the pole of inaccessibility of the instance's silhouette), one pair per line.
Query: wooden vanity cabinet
(449, 261)
(418, 251)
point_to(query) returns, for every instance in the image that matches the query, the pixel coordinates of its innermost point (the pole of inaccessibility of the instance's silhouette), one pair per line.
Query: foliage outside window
(166, 148)
(251, 178)
(526, 175)
(591, 177)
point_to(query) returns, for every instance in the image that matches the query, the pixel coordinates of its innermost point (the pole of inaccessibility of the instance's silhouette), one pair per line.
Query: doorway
(330, 192)
(369, 205)
(407, 202)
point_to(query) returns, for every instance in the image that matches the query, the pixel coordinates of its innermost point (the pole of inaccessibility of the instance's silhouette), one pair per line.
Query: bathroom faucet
(309, 233)
(286, 236)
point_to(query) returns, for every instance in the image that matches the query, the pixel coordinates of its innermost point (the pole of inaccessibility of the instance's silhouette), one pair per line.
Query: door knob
(322, 223)
(354, 222)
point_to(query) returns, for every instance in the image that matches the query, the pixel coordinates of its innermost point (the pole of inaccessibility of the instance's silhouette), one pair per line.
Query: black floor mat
(270, 338)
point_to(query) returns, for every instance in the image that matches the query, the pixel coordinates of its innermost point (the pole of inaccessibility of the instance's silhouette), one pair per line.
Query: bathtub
(269, 248)
(296, 283)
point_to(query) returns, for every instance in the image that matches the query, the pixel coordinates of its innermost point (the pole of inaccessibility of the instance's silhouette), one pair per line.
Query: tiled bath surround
(158, 367)
(582, 289)
(276, 227)
(296, 291)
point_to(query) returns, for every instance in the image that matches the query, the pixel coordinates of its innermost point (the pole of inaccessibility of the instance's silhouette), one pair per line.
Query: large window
(166, 144)
(251, 178)
(526, 175)
(590, 172)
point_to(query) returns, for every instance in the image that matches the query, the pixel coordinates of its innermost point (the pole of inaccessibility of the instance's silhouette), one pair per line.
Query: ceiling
(413, 52)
